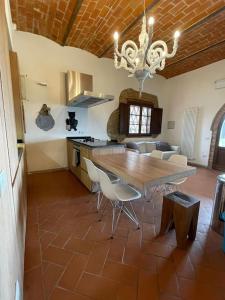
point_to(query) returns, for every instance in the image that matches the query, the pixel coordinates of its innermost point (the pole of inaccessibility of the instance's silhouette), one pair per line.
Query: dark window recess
(124, 118)
(156, 121)
(139, 119)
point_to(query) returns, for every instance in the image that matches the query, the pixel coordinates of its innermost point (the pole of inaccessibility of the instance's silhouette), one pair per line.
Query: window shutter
(156, 121)
(124, 118)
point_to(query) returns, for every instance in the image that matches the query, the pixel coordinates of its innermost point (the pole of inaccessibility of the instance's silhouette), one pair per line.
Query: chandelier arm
(129, 50)
(175, 47)
(156, 53)
(122, 63)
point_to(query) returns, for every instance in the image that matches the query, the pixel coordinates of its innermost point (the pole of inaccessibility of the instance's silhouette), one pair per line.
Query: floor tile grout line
(57, 282)
(63, 272)
(42, 271)
(81, 274)
(33, 268)
(74, 292)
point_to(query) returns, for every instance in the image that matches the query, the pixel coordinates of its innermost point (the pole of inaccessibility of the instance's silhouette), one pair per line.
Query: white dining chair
(120, 195)
(94, 176)
(180, 160)
(157, 154)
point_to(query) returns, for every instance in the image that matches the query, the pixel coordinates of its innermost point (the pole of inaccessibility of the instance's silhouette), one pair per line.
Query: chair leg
(132, 215)
(135, 216)
(99, 200)
(103, 211)
(114, 219)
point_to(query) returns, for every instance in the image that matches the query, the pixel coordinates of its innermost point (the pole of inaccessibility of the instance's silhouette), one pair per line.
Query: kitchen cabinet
(12, 181)
(76, 170)
(6, 89)
(20, 205)
(17, 97)
(20, 210)
(80, 170)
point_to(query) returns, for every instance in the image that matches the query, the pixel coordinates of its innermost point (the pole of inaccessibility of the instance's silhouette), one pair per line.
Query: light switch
(3, 183)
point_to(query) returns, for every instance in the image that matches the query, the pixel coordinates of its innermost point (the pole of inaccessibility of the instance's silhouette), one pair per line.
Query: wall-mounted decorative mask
(71, 122)
(44, 119)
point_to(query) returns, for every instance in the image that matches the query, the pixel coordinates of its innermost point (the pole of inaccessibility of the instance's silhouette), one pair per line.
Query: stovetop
(92, 142)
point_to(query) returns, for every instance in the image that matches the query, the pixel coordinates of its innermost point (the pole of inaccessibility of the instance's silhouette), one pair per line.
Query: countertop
(95, 144)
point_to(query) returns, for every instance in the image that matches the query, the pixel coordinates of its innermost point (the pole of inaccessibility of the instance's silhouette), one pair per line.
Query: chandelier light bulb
(116, 36)
(177, 34)
(151, 21)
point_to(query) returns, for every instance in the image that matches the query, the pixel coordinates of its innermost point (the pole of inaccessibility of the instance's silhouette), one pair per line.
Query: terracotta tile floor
(69, 255)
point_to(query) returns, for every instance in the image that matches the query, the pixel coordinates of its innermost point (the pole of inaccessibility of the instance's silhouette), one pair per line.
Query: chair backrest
(157, 154)
(106, 185)
(178, 159)
(92, 170)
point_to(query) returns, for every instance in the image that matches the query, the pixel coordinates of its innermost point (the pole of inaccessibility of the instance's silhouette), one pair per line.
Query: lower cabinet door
(86, 180)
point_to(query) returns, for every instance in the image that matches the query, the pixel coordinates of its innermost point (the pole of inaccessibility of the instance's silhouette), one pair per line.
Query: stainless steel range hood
(79, 91)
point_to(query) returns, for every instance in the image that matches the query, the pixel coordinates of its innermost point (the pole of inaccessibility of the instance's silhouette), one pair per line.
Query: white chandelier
(150, 57)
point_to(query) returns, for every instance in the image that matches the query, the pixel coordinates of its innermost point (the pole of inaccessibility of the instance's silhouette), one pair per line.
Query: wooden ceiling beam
(71, 21)
(148, 8)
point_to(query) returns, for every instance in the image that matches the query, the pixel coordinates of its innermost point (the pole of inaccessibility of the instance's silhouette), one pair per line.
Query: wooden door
(17, 97)
(9, 264)
(219, 156)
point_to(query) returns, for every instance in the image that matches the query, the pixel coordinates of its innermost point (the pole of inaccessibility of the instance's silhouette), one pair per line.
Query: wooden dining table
(143, 172)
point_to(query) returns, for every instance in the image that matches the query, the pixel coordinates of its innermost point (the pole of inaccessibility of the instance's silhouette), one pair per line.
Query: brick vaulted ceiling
(89, 25)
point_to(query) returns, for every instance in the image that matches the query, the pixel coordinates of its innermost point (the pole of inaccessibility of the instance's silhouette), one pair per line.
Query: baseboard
(193, 164)
(49, 171)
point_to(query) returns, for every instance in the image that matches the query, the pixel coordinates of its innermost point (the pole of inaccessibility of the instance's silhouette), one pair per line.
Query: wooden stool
(180, 211)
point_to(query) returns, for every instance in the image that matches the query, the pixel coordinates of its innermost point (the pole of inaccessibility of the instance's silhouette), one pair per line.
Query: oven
(76, 156)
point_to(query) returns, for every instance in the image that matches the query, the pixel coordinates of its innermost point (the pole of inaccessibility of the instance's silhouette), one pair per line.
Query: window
(139, 119)
(222, 135)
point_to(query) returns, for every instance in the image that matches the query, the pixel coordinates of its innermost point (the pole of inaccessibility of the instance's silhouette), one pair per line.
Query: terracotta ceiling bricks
(89, 25)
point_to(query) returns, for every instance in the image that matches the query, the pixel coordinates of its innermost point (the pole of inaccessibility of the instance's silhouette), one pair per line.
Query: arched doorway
(217, 147)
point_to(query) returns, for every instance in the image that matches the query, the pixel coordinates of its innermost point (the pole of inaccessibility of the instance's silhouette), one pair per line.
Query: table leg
(167, 217)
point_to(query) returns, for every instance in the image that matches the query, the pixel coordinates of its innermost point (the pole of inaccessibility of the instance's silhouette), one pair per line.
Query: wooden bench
(180, 211)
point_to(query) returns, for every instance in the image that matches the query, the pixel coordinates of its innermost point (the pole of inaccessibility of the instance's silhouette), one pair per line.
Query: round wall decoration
(44, 119)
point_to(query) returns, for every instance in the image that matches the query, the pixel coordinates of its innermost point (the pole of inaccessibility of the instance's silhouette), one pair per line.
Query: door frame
(215, 128)
(217, 142)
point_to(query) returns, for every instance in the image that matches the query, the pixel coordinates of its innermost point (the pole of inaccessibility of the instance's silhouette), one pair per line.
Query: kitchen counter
(79, 148)
(95, 144)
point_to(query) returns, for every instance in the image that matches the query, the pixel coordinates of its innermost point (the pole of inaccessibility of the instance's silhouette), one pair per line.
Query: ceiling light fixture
(143, 62)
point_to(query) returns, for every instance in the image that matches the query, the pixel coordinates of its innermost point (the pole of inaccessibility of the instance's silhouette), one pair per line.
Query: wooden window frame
(141, 104)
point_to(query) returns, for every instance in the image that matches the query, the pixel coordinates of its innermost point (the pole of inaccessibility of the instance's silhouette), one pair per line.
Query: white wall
(192, 89)
(43, 60)
(9, 22)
